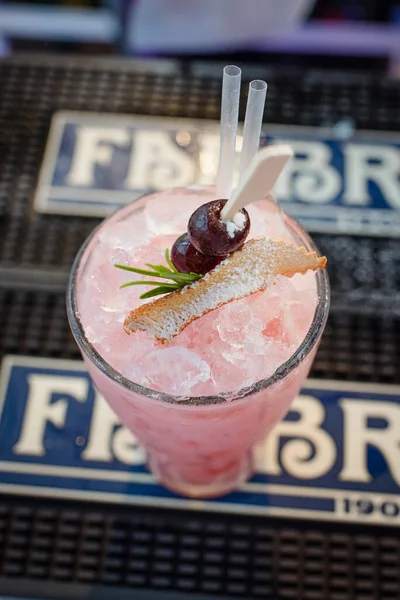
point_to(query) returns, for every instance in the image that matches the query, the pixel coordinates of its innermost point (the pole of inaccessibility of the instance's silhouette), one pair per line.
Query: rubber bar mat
(363, 271)
(166, 553)
(216, 556)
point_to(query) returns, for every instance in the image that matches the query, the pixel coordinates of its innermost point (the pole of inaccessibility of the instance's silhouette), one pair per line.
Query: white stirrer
(229, 123)
(258, 179)
(253, 122)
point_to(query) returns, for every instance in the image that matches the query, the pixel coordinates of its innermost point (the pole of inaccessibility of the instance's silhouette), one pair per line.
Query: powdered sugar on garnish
(236, 224)
(246, 271)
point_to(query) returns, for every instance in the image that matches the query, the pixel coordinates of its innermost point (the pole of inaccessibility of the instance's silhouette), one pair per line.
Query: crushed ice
(225, 350)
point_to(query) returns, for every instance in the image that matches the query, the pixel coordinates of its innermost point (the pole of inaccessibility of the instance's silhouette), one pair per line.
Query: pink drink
(200, 403)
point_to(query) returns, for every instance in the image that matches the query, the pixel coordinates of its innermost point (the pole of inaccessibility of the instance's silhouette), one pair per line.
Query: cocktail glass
(201, 446)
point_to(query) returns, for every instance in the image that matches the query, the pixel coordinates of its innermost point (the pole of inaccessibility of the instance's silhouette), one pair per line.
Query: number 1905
(377, 508)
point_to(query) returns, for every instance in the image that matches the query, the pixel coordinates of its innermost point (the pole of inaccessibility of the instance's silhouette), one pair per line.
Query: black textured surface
(162, 551)
(32, 90)
(189, 553)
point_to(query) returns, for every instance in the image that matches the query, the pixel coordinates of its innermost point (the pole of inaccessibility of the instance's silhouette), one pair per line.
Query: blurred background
(366, 32)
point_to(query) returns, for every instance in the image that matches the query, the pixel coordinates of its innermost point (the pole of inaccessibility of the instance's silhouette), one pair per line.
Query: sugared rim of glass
(307, 345)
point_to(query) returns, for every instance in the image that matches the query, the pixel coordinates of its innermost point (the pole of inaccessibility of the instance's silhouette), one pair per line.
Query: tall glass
(203, 446)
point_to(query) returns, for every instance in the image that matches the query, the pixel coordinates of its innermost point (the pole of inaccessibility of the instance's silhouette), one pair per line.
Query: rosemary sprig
(180, 280)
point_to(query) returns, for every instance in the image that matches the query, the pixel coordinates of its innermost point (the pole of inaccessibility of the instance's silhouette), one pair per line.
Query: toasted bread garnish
(248, 270)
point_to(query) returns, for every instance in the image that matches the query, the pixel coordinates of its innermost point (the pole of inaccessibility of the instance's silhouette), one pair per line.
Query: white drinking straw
(229, 123)
(253, 122)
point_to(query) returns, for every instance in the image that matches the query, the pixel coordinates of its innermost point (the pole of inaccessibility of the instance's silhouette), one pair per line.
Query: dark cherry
(187, 259)
(209, 233)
